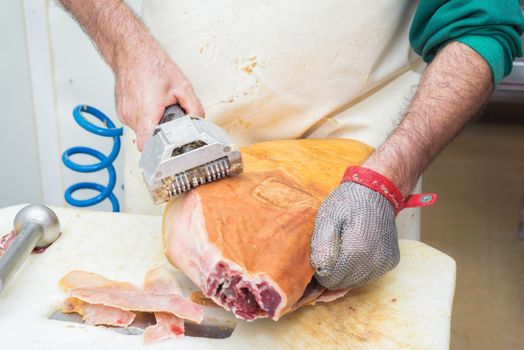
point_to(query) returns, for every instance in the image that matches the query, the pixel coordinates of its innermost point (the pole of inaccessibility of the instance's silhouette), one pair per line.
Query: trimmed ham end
(245, 240)
(246, 298)
(220, 279)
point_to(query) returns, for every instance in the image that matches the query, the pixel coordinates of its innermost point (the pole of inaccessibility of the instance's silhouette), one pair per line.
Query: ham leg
(245, 240)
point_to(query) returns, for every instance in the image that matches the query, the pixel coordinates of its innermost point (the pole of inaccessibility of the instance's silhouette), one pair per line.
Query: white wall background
(81, 77)
(76, 75)
(19, 171)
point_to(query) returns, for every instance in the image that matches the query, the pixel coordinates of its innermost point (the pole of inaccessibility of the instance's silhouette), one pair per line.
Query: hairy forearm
(452, 90)
(117, 32)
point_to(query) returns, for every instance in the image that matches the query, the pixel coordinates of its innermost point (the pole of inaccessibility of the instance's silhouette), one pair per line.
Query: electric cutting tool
(184, 152)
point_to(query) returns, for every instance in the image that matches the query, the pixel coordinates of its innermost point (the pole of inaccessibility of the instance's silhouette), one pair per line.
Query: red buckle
(381, 184)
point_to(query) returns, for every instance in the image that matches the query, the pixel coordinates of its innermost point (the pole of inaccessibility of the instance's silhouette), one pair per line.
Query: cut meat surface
(126, 296)
(245, 240)
(161, 281)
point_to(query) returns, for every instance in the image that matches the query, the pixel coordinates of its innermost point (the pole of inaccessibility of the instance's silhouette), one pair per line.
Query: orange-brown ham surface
(245, 240)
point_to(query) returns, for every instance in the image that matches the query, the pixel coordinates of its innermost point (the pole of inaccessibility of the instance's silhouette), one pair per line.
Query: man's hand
(146, 85)
(355, 239)
(147, 80)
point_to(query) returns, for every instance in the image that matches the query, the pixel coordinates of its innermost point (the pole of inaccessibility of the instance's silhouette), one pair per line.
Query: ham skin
(245, 240)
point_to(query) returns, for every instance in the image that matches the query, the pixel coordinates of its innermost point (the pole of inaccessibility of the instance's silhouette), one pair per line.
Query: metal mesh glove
(355, 237)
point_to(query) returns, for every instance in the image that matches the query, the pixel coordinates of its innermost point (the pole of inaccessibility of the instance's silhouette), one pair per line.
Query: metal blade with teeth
(184, 152)
(195, 177)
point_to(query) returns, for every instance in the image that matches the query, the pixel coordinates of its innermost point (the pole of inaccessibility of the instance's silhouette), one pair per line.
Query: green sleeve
(490, 27)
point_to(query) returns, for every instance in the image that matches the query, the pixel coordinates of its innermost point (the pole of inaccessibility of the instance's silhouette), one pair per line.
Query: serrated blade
(186, 181)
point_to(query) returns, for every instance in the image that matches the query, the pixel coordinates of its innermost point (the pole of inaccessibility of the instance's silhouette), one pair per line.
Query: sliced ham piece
(245, 240)
(94, 314)
(162, 282)
(94, 289)
(80, 279)
(167, 326)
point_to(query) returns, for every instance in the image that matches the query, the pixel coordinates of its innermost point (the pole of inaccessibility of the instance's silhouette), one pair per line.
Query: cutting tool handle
(172, 112)
(18, 252)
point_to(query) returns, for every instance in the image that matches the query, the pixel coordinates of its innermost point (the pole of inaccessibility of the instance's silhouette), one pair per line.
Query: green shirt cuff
(492, 51)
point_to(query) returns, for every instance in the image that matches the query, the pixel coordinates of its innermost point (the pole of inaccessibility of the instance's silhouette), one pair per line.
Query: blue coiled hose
(105, 161)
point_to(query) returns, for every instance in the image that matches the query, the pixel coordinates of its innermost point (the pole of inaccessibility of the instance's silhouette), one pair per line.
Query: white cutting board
(410, 308)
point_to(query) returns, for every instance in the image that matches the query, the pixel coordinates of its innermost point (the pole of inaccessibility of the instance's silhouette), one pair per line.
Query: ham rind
(94, 315)
(245, 240)
(161, 281)
(95, 289)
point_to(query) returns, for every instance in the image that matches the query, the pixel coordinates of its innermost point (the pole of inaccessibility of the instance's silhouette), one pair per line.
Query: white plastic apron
(288, 69)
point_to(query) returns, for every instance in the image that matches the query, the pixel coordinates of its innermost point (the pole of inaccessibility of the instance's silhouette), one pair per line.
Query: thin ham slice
(95, 289)
(93, 314)
(162, 282)
(245, 240)
(80, 279)
(167, 326)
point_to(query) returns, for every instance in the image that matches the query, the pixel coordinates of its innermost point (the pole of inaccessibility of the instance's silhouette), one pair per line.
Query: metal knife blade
(217, 323)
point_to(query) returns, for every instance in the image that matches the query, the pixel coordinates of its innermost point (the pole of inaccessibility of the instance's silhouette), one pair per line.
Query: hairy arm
(452, 90)
(113, 27)
(147, 79)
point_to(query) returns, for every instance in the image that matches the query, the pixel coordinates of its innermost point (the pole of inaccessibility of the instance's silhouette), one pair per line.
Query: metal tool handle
(172, 112)
(18, 251)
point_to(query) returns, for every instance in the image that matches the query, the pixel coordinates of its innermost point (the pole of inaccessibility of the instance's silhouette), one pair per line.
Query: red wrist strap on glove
(381, 184)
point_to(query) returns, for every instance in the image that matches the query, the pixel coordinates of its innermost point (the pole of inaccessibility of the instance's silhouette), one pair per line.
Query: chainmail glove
(355, 236)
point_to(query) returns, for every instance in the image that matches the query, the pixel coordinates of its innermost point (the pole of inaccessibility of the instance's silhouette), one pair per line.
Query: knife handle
(172, 112)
